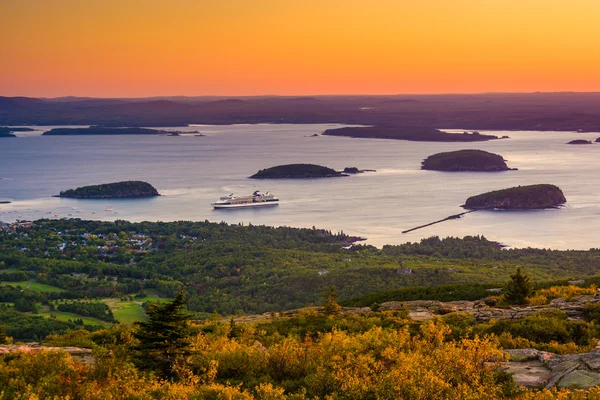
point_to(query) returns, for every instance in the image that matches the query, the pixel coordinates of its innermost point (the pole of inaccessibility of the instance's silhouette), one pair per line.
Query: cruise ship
(257, 199)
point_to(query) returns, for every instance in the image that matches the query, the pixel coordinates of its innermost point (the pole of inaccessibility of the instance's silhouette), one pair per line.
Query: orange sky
(135, 48)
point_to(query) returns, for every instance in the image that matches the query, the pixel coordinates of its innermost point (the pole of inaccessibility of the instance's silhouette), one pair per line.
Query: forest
(73, 269)
(199, 310)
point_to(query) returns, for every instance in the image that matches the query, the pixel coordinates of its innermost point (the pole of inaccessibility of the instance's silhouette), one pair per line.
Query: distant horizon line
(296, 95)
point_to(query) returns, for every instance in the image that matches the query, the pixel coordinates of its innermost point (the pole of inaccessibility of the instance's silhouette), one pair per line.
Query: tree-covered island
(532, 197)
(419, 134)
(297, 171)
(117, 190)
(465, 160)
(580, 141)
(102, 130)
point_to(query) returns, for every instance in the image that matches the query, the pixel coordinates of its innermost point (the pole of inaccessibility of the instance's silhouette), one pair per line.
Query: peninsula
(102, 130)
(465, 160)
(297, 171)
(418, 134)
(8, 129)
(532, 197)
(117, 190)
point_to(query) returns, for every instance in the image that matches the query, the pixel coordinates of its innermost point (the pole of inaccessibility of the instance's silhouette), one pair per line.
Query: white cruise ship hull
(243, 205)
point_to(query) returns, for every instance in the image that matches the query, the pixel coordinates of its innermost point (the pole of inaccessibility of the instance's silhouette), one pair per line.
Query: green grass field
(32, 285)
(65, 316)
(130, 311)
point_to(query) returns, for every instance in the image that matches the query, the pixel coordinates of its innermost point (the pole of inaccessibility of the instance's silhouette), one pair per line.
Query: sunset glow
(134, 48)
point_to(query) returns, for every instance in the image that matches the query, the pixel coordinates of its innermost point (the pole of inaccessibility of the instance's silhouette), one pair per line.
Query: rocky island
(102, 130)
(117, 190)
(580, 141)
(419, 134)
(354, 170)
(297, 171)
(532, 197)
(465, 160)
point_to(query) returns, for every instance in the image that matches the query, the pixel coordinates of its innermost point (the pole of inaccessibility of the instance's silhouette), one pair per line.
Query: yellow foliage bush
(566, 292)
(537, 300)
(411, 362)
(507, 341)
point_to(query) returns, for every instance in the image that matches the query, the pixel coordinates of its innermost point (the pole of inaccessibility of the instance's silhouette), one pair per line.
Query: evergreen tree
(331, 307)
(233, 329)
(518, 288)
(4, 339)
(163, 339)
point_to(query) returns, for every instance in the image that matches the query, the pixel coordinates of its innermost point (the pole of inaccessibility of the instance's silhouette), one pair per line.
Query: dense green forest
(235, 269)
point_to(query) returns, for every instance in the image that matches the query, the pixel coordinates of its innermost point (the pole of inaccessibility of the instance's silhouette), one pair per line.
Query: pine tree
(518, 288)
(164, 338)
(233, 329)
(4, 339)
(331, 307)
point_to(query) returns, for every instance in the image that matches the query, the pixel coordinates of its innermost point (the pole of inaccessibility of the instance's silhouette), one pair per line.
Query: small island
(532, 197)
(419, 134)
(102, 130)
(6, 134)
(580, 141)
(354, 170)
(297, 171)
(465, 160)
(117, 190)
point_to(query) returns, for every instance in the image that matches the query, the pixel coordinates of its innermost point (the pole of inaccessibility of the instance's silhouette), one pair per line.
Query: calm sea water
(191, 172)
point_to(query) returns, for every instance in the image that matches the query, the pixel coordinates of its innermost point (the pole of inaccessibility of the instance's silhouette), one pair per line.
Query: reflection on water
(191, 172)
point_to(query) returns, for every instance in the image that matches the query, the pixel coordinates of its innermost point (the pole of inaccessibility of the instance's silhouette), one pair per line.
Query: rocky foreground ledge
(538, 369)
(423, 310)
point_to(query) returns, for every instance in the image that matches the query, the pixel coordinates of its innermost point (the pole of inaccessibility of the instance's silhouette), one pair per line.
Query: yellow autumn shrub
(566, 292)
(411, 362)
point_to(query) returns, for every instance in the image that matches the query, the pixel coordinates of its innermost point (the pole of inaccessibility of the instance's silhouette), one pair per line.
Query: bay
(191, 172)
